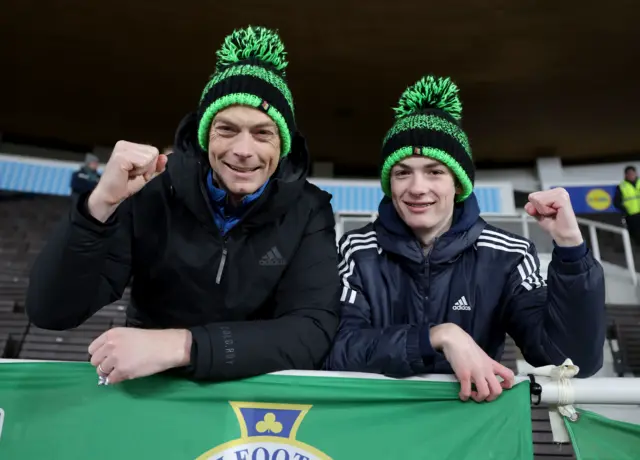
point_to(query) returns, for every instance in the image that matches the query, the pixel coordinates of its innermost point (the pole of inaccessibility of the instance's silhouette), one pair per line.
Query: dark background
(537, 78)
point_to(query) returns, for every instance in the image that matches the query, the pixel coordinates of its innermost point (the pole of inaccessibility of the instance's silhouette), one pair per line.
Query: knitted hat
(250, 71)
(428, 123)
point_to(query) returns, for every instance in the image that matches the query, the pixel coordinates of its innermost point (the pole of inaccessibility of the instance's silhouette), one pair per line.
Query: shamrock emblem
(269, 424)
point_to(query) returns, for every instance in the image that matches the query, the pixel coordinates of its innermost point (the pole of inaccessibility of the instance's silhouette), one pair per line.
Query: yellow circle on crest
(598, 199)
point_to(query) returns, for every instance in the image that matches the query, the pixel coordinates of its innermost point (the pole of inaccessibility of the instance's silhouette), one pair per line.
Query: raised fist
(553, 211)
(130, 168)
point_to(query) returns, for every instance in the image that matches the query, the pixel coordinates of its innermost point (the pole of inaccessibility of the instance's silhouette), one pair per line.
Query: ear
(458, 186)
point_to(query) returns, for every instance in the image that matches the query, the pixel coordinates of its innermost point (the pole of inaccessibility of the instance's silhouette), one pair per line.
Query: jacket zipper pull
(223, 259)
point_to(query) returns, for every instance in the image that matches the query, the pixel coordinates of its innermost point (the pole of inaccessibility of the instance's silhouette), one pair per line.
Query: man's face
(93, 165)
(244, 149)
(423, 192)
(631, 175)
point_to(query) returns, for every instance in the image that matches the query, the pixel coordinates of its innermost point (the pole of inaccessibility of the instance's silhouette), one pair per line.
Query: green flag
(57, 410)
(595, 437)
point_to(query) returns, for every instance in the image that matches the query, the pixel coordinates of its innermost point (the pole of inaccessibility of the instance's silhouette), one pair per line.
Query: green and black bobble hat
(427, 123)
(250, 70)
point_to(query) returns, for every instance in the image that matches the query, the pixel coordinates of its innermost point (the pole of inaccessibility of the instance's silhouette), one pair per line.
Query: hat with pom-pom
(427, 123)
(250, 70)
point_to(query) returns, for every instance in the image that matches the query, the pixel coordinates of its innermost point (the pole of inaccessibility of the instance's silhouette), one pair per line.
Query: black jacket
(482, 278)
(84, 180)
(263, 298)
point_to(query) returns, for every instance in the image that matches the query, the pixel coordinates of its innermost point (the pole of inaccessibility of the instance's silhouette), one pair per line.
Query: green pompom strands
(250, 71)
(430, 93)
(428, 118)
(252, 42)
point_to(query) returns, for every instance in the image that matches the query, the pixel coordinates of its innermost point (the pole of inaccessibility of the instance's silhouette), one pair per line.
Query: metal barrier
(544, 243)
(521, 224)
(346, 222)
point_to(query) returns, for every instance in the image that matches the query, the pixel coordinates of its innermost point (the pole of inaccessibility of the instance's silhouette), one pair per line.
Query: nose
(243, 147)
(419, 186)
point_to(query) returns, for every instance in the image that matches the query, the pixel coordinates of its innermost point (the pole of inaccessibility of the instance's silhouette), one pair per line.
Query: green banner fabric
(595, 437)
(57, 411)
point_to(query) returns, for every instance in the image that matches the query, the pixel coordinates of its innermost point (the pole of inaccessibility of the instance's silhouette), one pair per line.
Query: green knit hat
(427, 123)
(250, 70)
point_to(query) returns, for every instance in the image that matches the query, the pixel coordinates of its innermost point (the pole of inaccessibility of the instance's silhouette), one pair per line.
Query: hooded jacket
(260, 298)
(482, 278)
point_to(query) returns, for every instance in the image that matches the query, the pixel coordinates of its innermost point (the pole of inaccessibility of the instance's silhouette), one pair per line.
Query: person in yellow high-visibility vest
(627, 201)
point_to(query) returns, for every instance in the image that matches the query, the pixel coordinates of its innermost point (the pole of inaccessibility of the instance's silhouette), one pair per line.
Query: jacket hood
(189, 164)
(396, 237)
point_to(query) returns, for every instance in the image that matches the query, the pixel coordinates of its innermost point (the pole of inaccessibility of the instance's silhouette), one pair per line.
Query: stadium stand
(25, 221)
(624, 327)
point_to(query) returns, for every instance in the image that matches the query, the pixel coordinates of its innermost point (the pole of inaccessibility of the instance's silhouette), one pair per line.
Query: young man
(430, 287)
(230, 251)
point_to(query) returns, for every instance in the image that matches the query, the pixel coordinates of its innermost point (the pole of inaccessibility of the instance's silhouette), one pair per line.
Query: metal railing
(544, 243)
(626, 243)
(521, 224)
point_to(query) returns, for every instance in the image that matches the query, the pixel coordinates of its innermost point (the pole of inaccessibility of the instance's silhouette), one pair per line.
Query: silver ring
(101, 370)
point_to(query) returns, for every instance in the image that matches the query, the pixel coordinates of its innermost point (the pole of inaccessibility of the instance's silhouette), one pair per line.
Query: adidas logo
(462, 304)
(272, 258)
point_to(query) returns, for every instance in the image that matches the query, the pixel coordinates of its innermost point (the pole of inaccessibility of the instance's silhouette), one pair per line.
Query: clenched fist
(130, 168)
(553, 211)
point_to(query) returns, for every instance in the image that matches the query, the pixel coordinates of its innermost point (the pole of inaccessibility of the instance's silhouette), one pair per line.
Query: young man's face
(244, 149)
(423, 192)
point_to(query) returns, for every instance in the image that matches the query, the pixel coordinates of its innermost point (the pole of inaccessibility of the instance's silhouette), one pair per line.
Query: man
(86, 178)
(430, 287)
(230, 251)
(627, 201)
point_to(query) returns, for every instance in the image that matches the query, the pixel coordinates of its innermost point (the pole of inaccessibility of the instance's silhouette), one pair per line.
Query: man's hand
(130, 167)
(470, 364)
(126, 353)
(553, 211)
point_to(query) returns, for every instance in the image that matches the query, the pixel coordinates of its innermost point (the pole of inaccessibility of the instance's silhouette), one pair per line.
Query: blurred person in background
(627, 201)
(86, 178)
(229, 249)
(430, 287)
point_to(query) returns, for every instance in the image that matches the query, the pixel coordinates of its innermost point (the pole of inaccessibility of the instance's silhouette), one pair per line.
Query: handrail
(602, 225)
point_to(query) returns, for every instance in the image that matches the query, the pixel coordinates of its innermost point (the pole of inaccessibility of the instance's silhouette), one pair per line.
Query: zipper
(223, 259)
(215, 230)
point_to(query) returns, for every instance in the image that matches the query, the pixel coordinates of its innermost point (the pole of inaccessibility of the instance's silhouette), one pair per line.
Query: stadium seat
(7, 306)
(4, 344)
(510, 354)
(14, 324)
(544, 448)
(626, 322)
(68, 345)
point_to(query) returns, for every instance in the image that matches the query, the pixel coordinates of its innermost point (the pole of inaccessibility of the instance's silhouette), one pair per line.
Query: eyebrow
(427, 166)
(264, 124)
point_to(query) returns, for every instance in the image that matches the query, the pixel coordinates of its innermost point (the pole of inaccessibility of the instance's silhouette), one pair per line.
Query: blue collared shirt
(226, 215)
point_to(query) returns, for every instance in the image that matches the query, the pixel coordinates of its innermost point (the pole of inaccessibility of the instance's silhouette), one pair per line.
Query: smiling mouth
(241, 169)
(418, 205)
